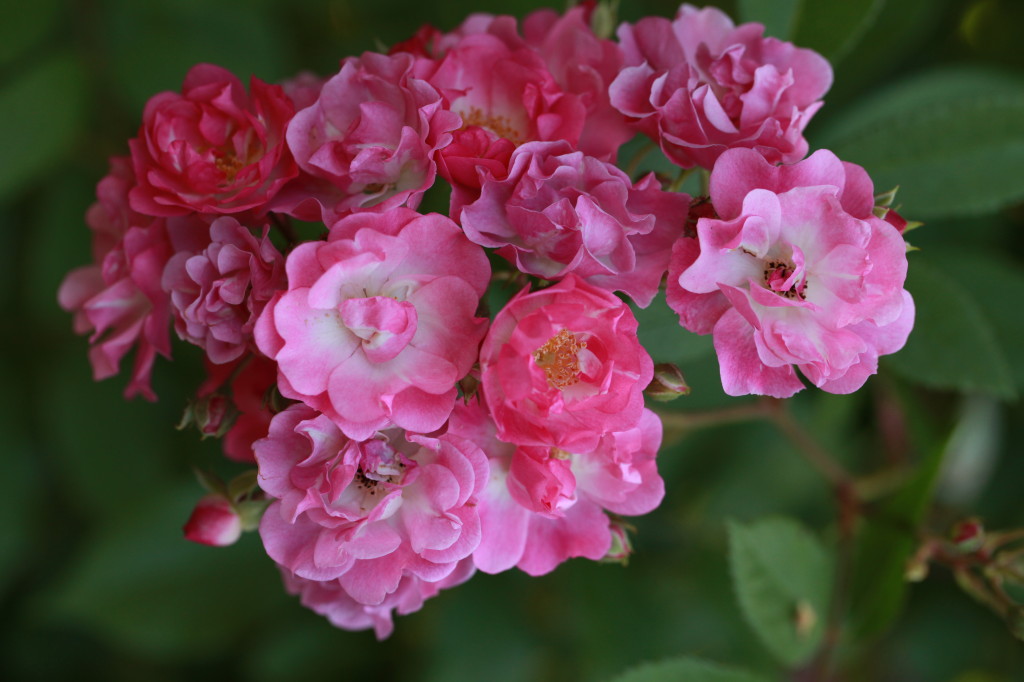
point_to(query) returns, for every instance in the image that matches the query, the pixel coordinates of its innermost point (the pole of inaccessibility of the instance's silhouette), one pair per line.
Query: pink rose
(214, 522)
(544, 505)
(213, 148)
(699, 85)
(797, 272)
(118, 299)
(562, 367)
(559, 211)
(218, 293)
(378, 323)
(367, 513)
(329, 599)
(503, 91)
(584, 65)
(368, 141)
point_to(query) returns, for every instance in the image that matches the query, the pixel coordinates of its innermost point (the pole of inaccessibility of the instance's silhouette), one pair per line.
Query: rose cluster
(405, 433)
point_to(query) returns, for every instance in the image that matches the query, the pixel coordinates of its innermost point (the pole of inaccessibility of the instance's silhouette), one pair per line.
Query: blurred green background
(96, 581)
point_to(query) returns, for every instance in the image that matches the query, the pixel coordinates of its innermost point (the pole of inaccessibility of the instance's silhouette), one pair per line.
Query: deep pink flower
(368, 141)
(118, 299)
(562, 367)
(699, 85)
(245, 386)
(797, 272)
(559, 211)
(378, 323)
(367, 513)
(214, 522)
(544, 505)
(503, 90)
(584, 65)
(218, 293)
(213, 148)
(329, 599)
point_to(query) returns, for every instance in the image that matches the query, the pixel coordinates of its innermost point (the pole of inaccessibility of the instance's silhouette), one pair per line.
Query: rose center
(501, 126)
(229, 165)
(559, 358)
(386, 326)
(784, 279)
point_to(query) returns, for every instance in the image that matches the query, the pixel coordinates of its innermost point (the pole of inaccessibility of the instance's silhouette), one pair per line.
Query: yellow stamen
(559, 360)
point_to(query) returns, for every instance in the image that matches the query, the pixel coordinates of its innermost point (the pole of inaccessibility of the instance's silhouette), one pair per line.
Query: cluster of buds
(403, 438)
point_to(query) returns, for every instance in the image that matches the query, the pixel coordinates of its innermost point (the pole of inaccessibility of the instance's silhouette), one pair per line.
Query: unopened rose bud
(621, 546)
(213, 522)
(968, 535)
(668, 383)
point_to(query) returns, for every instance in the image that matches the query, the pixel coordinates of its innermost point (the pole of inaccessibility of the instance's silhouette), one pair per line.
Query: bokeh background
(96, 581)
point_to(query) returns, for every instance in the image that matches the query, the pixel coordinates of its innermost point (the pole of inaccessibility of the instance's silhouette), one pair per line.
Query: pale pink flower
(213, 148)
(329, 599)
(367, 513)
(561, 367)
(368, 141)
(544, 505)
(797, 272)
(214, 522)
(559, 211)
(699, 85)
(378, 323)
(218, 293)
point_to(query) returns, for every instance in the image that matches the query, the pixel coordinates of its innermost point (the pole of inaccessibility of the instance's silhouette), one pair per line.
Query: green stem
(634, 163)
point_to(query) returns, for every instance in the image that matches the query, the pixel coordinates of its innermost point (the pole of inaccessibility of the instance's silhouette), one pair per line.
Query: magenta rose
(559, 211)
(213, 148)
(367, 513)
(699, 85)
(378, 323)
(562, 367)
(796, 273)
(370, 137)
(218, 293)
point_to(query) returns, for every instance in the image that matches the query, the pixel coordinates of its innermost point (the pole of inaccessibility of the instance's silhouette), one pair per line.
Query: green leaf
(833, 28)
(40, 118)
(782, 577)
(953, 344)
(952, 139)
(686, 669)
(778, 16)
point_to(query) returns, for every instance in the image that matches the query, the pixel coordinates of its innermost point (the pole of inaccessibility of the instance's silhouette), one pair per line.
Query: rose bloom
(118, 299)
(699, 85)
(368, 141)
(367, 513)
(562, 366)
(796, 273)
(242, 387)
(559, 211)
(329, 599)
(378, 323)
(544, 505)
(213, 148)
(218, 293)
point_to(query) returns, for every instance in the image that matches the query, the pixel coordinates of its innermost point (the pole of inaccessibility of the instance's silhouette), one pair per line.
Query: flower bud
(621, 546)
(214, 522)
(968, 535)
(668, 383)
